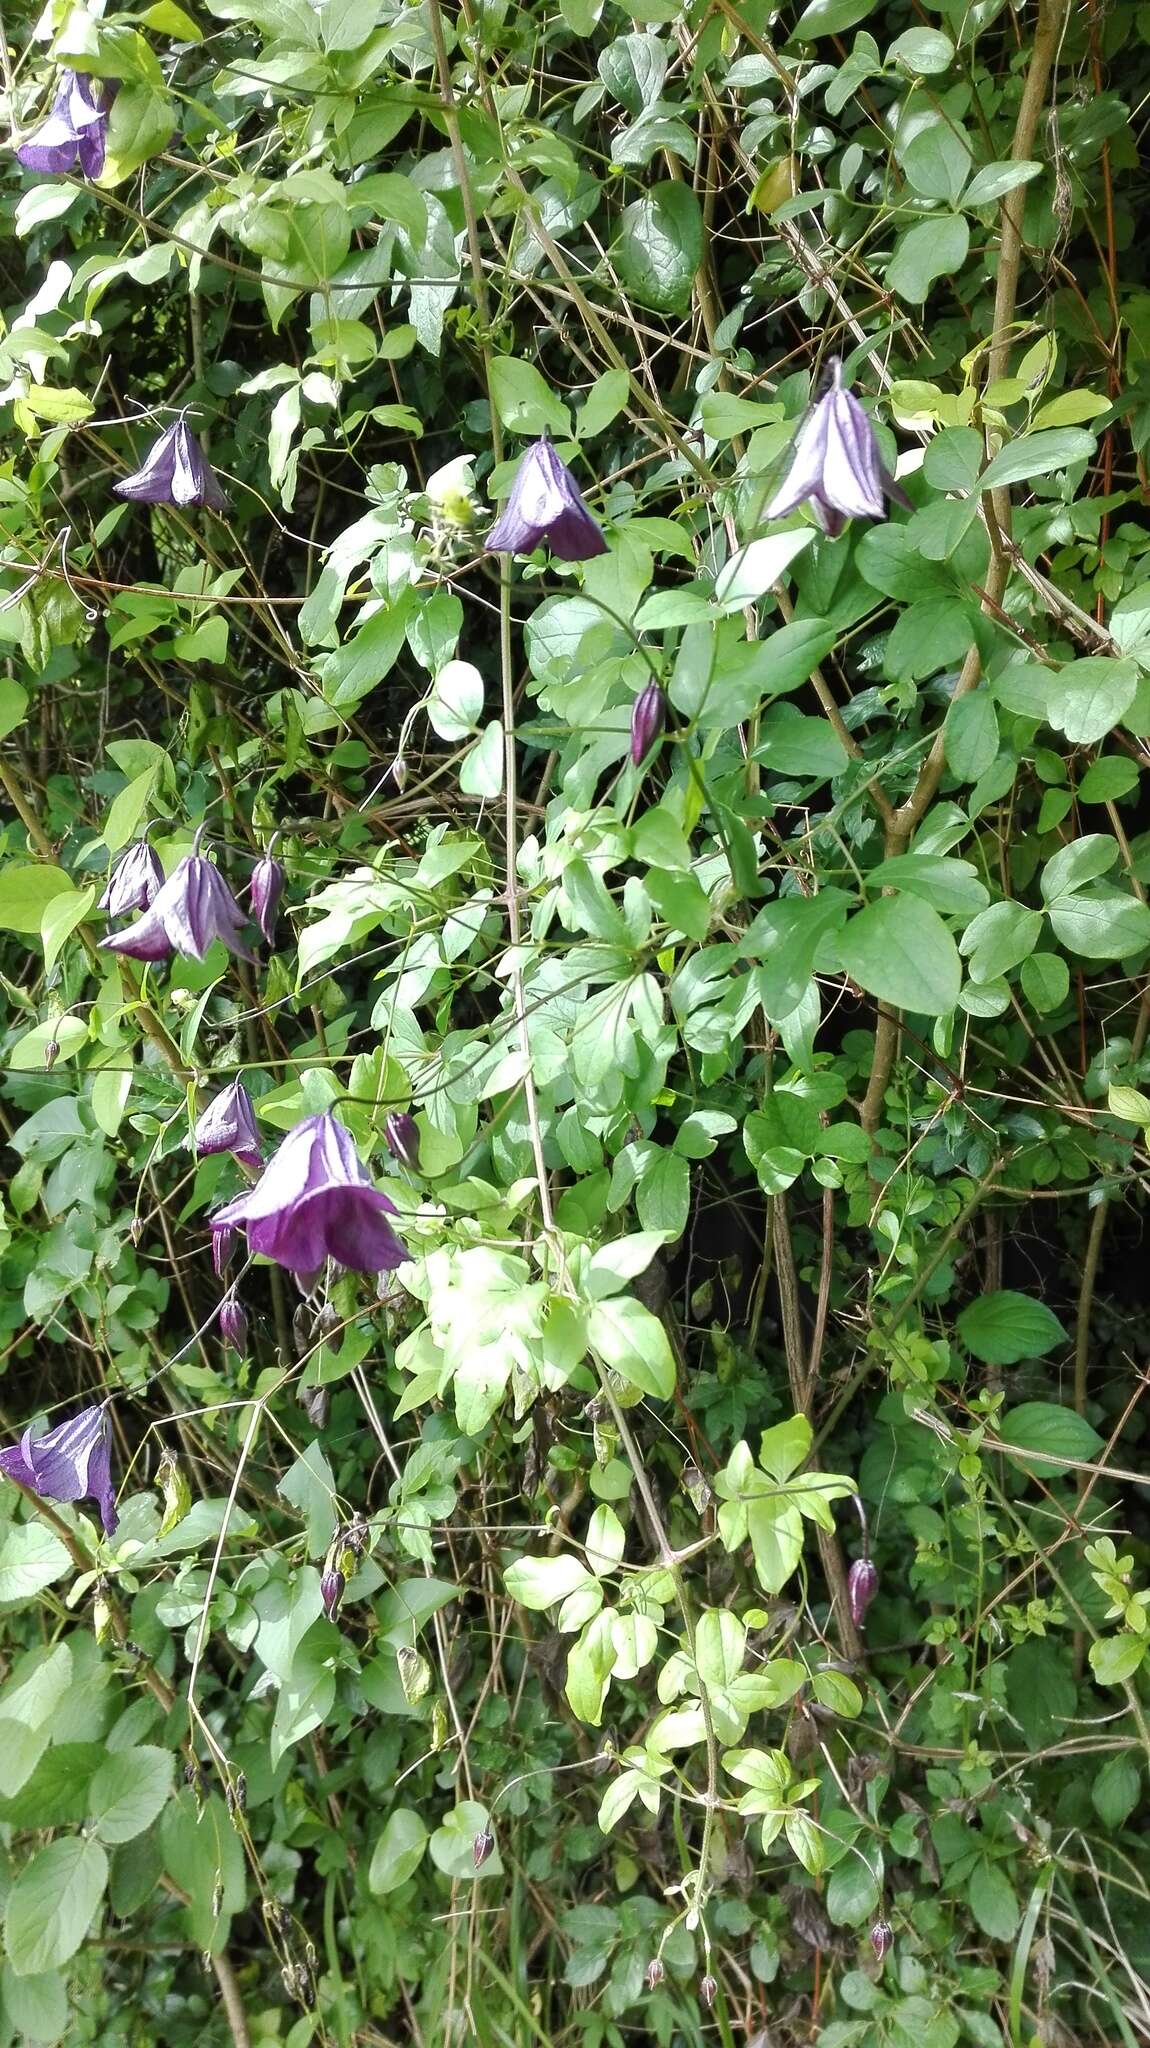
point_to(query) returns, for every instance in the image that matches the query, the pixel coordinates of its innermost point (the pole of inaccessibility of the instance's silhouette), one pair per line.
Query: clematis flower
(194, 907)
(402, 1136)
(545, 504)
(862, 1585)
(648, 717)
(835, 466)
(175, 472)
(228, 1124)
(75, 132)
(134, 882)
(233, 1321)
(314, 1201)
(332, 1587)
(267, 886)
(223, 1242)
(72, 1462)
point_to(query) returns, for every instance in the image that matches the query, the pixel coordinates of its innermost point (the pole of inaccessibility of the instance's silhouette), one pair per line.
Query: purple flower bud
(862, 1585)
(315, 1200)
(223, 1244)
(75, 132)
(51, 1054)
(708, 1991)
(175, 471)
(194, 907)
(403, 1139)
(135, 881)
(266, 890)
(332, 1587)
(835, 465)
(233, 1321)
(648, 717)
(655, 1973)
(481, 1847)
(228, 1124)
(545, 504)
(881, 1938)
(71, 1462)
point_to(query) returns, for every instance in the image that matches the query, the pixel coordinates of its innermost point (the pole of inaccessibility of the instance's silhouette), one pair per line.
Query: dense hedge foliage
(676, 1571)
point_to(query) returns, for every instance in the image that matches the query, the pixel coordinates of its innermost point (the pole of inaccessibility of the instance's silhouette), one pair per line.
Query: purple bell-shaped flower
(314, 1201)
(175, 471)
(545, 504)
(835, 466)
(194, 907)
(71, 1462)
(75, 132)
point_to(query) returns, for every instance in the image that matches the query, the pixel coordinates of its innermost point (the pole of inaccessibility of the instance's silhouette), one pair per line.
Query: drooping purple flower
(314, 1201)
(267, 887)
(881, 1938)
(233, 1321)
(403, 1139)
(175, 471)
(648, 717)
(228, 1124)
(332, 1587)
(862, 1585)
(72, 1462)
(194, 907)
(835, 466)
(75, 132)
(134, 882)
(545, 504)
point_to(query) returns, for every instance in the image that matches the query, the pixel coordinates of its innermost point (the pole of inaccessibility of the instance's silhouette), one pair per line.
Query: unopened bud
(398, 774)
(51, 1053)
(266, 889)
(648, 717)
(655, 1973)
(331, 1591)
(881, 1938)
(482, 1847)
(403, 1139)
(862, 1585)
(233, 1321)
(708, 1991)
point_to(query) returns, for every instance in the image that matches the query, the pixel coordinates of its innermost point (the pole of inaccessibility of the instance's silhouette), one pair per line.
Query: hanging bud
(403, 1139)
(233, 1321)
(332, 1587)
(648, 717)
(266, 889)
(398, 774)
(315, 1402)
(881, 1938)
(414, 1674)
(175, 1491)
(482, 1847)
(438, 1726)
(862, 1585)
(223, 1238)
(51, 1054)
(708, 1991)
(655, 1973)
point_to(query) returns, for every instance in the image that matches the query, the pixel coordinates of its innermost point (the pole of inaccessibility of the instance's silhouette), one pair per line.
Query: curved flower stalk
(175, 471)
(194, 907)
(545, 504)
(316, 1201)
(75, 132)
(71, 1462)
(835, 466)
(228, 1124)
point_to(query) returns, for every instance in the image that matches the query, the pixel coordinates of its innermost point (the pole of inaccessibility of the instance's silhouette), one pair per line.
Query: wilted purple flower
(316, 1201)
(134, 882)
(881, 1938)
(194, 907)
(835, 465)
(648, 717)
(267, 887)
(332, 1587)
(403, 1138)
(862, 1585)
(175, 472)
(76, 130)
(223, 1240)
(481, 1847)
(228, 1124)
(233, 1321)
(72, 1462)
(545, 504)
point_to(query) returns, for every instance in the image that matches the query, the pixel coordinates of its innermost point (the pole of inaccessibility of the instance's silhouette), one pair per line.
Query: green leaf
(1114, 1659)
(992, 1900)
(1115, 1791)
(900, 950)
(1089, 697)
(1045, 981)
(603, 404)
(993, 181)
(660, 247)
(931, 248)
(1101, 923)
(398, 1852)
(453, 1844)
(1002, 1328)
(970, 735)
(829, 18)
(25, 893)
(13, 705)
(36, 2006)
(1037, 455)
(129, 1791)
(31, 1557)
(141, 123)
(1055, 1437)
(524, 402)
(998, 938)
(633, 1341)
(538, 1582)
(52, 1904)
